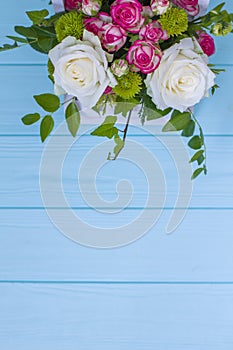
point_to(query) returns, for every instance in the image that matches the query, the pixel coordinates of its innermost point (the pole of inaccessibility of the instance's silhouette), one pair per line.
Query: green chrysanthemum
(174, 21)
(128, 85)
(70, 24)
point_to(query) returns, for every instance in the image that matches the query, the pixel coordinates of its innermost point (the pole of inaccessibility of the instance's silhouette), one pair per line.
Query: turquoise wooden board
(163, 292)
(168, 317)
(200, 249)
(21, 173)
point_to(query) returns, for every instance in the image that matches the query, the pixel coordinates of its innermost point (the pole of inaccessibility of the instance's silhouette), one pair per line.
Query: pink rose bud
(128, 14)
(144, 56)
(105, 17)
(113, 38)
(94, 25)
(159, 7)
(91, 7)
(153, 32)
(191, 6)
(120, 67)
(72, 4)
(108, 90)
(206, 42)
(147, 12)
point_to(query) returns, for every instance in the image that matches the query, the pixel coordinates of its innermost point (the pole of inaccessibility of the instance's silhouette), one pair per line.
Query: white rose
(81, 68)
(182, 78)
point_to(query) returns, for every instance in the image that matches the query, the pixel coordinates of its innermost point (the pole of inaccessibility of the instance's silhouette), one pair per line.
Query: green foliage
(124, 106)
(72, 118)
(195, 142)
(49, 102)
(37, 16)
(29, 119)
(46, 126)
(107, 128)
(189, 129)
(150, 111)
(6, 47)
(178, 121)
(197, 172)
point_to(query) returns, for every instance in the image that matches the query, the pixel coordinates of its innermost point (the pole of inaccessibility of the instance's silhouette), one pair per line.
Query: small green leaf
(196, 156)
(150, 110)
(49, 102)
(124, 106)
(200, 159)
(6, 47)
(37, 16)
(73, 118)
(30, 118)
(197, 172)
(179, 121)
(46, 127)
(195, 142)
(119, 145)
(18, 39)
(189, 130)
(107, 128)
(46, 43)
(28, 32)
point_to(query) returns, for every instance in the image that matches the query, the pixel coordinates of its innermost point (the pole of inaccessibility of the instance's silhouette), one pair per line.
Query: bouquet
(151, 55)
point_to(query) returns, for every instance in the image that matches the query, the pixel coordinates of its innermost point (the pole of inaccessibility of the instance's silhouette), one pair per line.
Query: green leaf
(18, 39)
(195, 142)
(189, 130)
(107, 128)
(37, 16)
(196, 156)
(200, 159)
(119, 144)
(197, 172)
(49, 102)
(73, 118)
(28, 32)
(30, 118)
(6, 47)
(213, 89)
(124, 106)
(46, 127)
(46, 43)
(178, 121)
(150, 110)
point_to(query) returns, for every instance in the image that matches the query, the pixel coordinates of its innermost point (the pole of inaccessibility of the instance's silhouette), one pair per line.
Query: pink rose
(72, 4)
(91, 7)
(153, 32)
(159, 7)
(191, 6)
(144, 56)
(206, 42)
(128, 14)
(113, 38)
(94, 25)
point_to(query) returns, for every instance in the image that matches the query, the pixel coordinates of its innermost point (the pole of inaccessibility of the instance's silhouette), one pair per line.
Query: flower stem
(124, 135)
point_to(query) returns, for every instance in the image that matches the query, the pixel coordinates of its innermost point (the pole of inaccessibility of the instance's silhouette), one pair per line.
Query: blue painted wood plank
(83, 183)
(19, 84)
(116, 317)
(200, 249)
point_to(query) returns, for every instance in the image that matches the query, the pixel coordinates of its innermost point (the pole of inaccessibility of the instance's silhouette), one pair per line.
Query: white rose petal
(81, 68)
(182, 78)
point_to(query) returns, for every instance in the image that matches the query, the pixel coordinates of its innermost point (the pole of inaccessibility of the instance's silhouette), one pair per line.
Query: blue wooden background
(162, 292)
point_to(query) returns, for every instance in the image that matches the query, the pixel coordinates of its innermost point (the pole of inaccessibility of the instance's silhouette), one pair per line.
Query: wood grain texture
(20, 176)
(165, 292)
(68, 317)
(199, 250)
